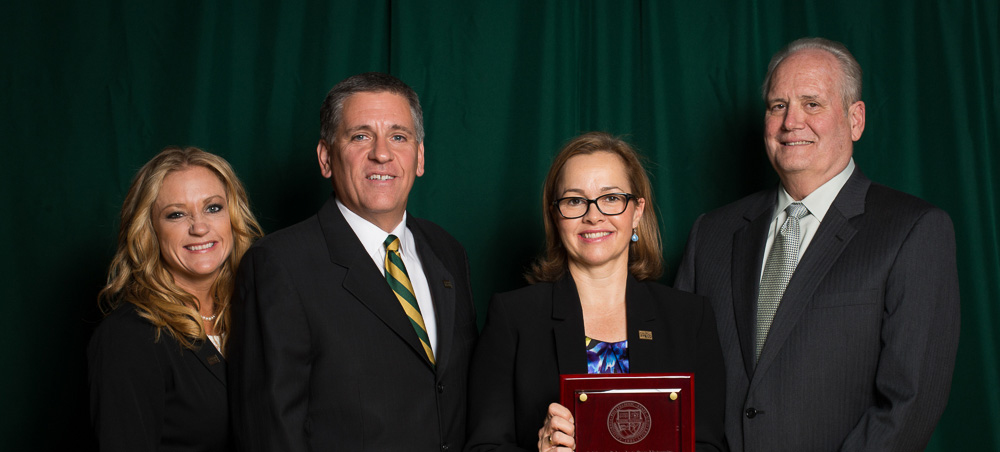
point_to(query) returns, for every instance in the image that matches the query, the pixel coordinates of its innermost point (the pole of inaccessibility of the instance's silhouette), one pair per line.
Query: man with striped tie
(352, 330)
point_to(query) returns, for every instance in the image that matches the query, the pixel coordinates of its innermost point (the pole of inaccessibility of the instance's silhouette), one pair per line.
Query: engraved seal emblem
(629, 422)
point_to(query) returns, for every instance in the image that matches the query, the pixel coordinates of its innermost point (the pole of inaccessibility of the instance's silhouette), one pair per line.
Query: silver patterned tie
(781, 262)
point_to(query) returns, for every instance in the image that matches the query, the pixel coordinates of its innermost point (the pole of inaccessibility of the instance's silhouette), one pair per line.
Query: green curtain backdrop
(91, 90)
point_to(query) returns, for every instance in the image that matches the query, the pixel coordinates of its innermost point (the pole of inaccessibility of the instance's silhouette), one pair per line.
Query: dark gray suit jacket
(861, 351)
(322, 356)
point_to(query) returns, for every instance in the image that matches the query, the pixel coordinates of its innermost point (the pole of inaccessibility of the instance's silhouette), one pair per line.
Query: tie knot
(795, 209)
(391, 243)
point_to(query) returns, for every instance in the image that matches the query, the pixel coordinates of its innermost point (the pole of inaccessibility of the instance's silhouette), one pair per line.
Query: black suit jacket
(861, 350)
(154, 396)
(534, 334)
(322, 356)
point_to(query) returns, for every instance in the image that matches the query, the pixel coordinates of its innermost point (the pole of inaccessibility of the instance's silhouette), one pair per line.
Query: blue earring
(635, 237)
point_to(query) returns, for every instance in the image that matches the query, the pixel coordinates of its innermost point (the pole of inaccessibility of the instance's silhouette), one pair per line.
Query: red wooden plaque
(631, 412)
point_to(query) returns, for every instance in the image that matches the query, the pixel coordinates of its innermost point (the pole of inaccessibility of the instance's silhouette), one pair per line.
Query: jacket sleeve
(492, 414)
(127, 386)
(710, 386)
(920, 332)
(268, 358)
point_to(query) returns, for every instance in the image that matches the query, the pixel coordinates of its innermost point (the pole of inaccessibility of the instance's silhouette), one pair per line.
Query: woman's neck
(202, 291)
(599, 286)
(602, 297)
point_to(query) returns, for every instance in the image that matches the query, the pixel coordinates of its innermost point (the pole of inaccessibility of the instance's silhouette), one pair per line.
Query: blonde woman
(156, 366)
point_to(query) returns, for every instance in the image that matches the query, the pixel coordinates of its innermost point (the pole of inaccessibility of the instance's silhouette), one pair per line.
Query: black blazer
(861, 350)
(322, 356)
(534, 334)
(154, 396)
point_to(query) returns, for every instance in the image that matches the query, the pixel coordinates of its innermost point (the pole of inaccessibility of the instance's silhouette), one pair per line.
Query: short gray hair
(332, 112)
(850, 80)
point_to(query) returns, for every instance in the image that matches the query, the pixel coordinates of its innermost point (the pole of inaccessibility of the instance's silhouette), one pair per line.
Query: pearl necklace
(209, 319)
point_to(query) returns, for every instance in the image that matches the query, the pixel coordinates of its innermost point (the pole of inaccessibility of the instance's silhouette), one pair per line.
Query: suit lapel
(567, 314)
(833, 235)
(645, 340)
(363, 279)
(442, 286)
(209, 357)
(643, 348)
(748, 254)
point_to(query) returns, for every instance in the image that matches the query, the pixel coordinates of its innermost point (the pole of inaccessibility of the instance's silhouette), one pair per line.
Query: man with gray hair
(352, 330)
(836, 298)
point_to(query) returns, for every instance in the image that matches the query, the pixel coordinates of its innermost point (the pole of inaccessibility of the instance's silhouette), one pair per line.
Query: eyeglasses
(610, 204)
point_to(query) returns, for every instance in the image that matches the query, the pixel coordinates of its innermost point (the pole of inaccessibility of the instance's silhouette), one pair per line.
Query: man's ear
(323, 153)
(420, 160)
(856, 114)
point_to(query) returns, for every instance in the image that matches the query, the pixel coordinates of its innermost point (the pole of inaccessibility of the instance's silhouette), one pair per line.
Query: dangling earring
(635, 237)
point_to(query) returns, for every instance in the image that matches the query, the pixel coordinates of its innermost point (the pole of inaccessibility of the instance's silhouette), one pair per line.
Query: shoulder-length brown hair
(645, 257)
(138, 275)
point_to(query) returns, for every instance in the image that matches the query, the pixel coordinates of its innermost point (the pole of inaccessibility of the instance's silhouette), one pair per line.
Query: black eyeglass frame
(628, 197)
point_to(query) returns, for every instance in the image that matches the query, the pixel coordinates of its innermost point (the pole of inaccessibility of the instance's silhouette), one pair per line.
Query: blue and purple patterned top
(607, 357)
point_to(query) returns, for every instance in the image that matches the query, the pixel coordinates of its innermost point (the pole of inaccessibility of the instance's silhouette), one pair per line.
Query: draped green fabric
(91, 90)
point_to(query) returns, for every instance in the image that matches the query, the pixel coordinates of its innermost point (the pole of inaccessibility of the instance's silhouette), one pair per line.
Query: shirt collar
(819, 201)
(372, 237)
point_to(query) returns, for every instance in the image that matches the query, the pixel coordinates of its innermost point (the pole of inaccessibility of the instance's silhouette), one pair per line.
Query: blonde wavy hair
(138, 274)
(645, 257)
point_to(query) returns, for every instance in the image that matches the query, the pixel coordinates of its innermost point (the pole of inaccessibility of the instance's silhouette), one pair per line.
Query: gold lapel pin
(447, 284)
(646, 335)
(213, 359)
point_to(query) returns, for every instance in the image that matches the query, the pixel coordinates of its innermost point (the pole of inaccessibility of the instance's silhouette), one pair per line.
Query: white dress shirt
(818, 202)
(372, 237)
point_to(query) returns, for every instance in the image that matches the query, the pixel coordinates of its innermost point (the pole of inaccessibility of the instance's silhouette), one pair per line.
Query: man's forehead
(811, 73)
(367, 98)
(366, 110)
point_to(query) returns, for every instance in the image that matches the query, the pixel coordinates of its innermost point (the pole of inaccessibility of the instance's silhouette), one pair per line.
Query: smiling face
(374, 158)
(808, 134)
(191, 220)
(596, 241)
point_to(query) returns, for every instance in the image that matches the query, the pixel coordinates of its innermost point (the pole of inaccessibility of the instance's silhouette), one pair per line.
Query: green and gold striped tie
(399, 281)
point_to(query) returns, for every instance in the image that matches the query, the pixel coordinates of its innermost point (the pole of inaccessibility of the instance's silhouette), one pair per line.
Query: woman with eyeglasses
(591, 294)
